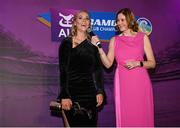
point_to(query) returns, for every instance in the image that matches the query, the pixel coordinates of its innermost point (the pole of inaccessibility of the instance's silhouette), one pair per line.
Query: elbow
(108, 65)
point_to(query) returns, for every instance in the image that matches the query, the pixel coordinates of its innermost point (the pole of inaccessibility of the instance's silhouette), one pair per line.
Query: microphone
(91, 33)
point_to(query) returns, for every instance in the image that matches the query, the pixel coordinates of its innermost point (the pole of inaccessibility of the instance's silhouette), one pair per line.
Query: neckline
(129, 36)
(78, 44)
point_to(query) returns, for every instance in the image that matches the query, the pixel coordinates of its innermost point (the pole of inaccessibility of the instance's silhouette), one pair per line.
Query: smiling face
(125, 20)
(122, 22)
(82, 21)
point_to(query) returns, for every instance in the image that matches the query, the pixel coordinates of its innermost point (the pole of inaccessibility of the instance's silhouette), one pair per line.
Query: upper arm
(110, 54)
(148, 49)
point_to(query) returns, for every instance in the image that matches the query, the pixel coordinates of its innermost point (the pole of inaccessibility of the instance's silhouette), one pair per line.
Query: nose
(84, 20)
(119, 22)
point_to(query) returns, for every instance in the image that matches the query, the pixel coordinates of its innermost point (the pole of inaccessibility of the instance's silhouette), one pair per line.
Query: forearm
(98, 75)
(108, 59)
(149, 64)
(104, 58)
(146, 64)
(64, 93)
(64, 51)
(99, 82)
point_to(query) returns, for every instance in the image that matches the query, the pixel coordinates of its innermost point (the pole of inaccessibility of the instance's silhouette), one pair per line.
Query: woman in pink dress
(132, 85)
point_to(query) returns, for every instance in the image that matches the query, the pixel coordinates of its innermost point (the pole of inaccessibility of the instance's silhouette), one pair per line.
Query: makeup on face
(121, 22)
(82, 21)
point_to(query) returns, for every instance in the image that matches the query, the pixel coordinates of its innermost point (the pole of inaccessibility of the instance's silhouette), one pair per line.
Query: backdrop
(29, 65)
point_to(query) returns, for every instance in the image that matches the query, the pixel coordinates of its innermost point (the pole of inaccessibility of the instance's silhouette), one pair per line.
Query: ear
(74, 22)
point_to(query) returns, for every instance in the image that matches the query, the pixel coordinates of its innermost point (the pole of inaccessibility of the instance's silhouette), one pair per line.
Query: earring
(132, 23)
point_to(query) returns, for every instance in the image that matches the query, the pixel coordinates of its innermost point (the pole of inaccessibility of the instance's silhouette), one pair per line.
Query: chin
(83, 30)
(122, 30)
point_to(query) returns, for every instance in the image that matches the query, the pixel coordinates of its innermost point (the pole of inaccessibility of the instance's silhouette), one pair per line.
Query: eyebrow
(82, 16)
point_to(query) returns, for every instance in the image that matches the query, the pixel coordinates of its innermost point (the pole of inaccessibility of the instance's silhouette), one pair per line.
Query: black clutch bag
(76, 110)
(55, 108)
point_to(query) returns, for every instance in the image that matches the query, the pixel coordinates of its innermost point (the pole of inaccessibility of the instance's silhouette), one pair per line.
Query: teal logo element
(144, 25)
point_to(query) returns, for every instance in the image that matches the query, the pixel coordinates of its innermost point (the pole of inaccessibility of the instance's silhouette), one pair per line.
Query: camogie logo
(144, 25)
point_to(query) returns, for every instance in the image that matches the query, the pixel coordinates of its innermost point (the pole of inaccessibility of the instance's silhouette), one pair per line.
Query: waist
(73, 75)
(123, 62)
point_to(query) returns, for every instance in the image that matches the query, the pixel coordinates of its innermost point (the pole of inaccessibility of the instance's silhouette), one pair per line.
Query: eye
(80, 17)
(87, 18)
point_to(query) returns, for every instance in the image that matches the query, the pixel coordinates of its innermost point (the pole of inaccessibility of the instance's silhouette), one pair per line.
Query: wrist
(141, 64)
(98, 44)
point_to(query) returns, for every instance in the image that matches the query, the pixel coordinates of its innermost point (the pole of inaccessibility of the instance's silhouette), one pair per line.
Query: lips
(122, 27)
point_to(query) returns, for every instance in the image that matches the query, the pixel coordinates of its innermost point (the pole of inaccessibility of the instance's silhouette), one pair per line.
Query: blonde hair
(73, 31)
(130, 18)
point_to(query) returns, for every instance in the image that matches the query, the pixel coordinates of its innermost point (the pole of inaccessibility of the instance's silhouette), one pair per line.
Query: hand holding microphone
(95, 40)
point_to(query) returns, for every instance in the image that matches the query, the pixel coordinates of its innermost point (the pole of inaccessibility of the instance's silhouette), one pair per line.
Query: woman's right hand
(66, 104)
(94, 40)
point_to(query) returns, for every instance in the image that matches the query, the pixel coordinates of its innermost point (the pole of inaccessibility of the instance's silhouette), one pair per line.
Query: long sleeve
(98, 75)
(63, 65)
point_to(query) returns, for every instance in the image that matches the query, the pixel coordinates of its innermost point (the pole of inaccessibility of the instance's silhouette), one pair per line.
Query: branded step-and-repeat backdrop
(102, 23)
(31, 32)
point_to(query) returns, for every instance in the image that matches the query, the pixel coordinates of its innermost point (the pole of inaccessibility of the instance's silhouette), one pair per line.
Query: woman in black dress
(81, 77)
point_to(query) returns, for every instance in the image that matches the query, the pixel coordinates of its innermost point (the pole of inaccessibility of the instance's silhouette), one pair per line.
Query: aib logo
(145, 25)
(65, 21)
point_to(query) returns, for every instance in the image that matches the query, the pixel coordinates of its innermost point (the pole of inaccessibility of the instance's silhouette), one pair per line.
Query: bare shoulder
(112, 40)
(145, 36)
(147, 42)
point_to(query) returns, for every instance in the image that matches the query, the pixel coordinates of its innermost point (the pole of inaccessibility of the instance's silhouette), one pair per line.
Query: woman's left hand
(99, 99)
(132, 64)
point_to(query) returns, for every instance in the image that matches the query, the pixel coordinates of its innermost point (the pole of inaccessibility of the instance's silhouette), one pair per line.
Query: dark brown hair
(130, 18)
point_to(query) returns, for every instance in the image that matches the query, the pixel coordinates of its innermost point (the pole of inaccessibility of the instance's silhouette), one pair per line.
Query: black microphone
(91, 33)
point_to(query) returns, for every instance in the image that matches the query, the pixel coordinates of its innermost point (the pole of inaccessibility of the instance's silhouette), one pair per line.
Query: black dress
(80, 80)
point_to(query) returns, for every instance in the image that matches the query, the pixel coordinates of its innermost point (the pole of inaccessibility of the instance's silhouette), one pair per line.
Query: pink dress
(133, 88)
